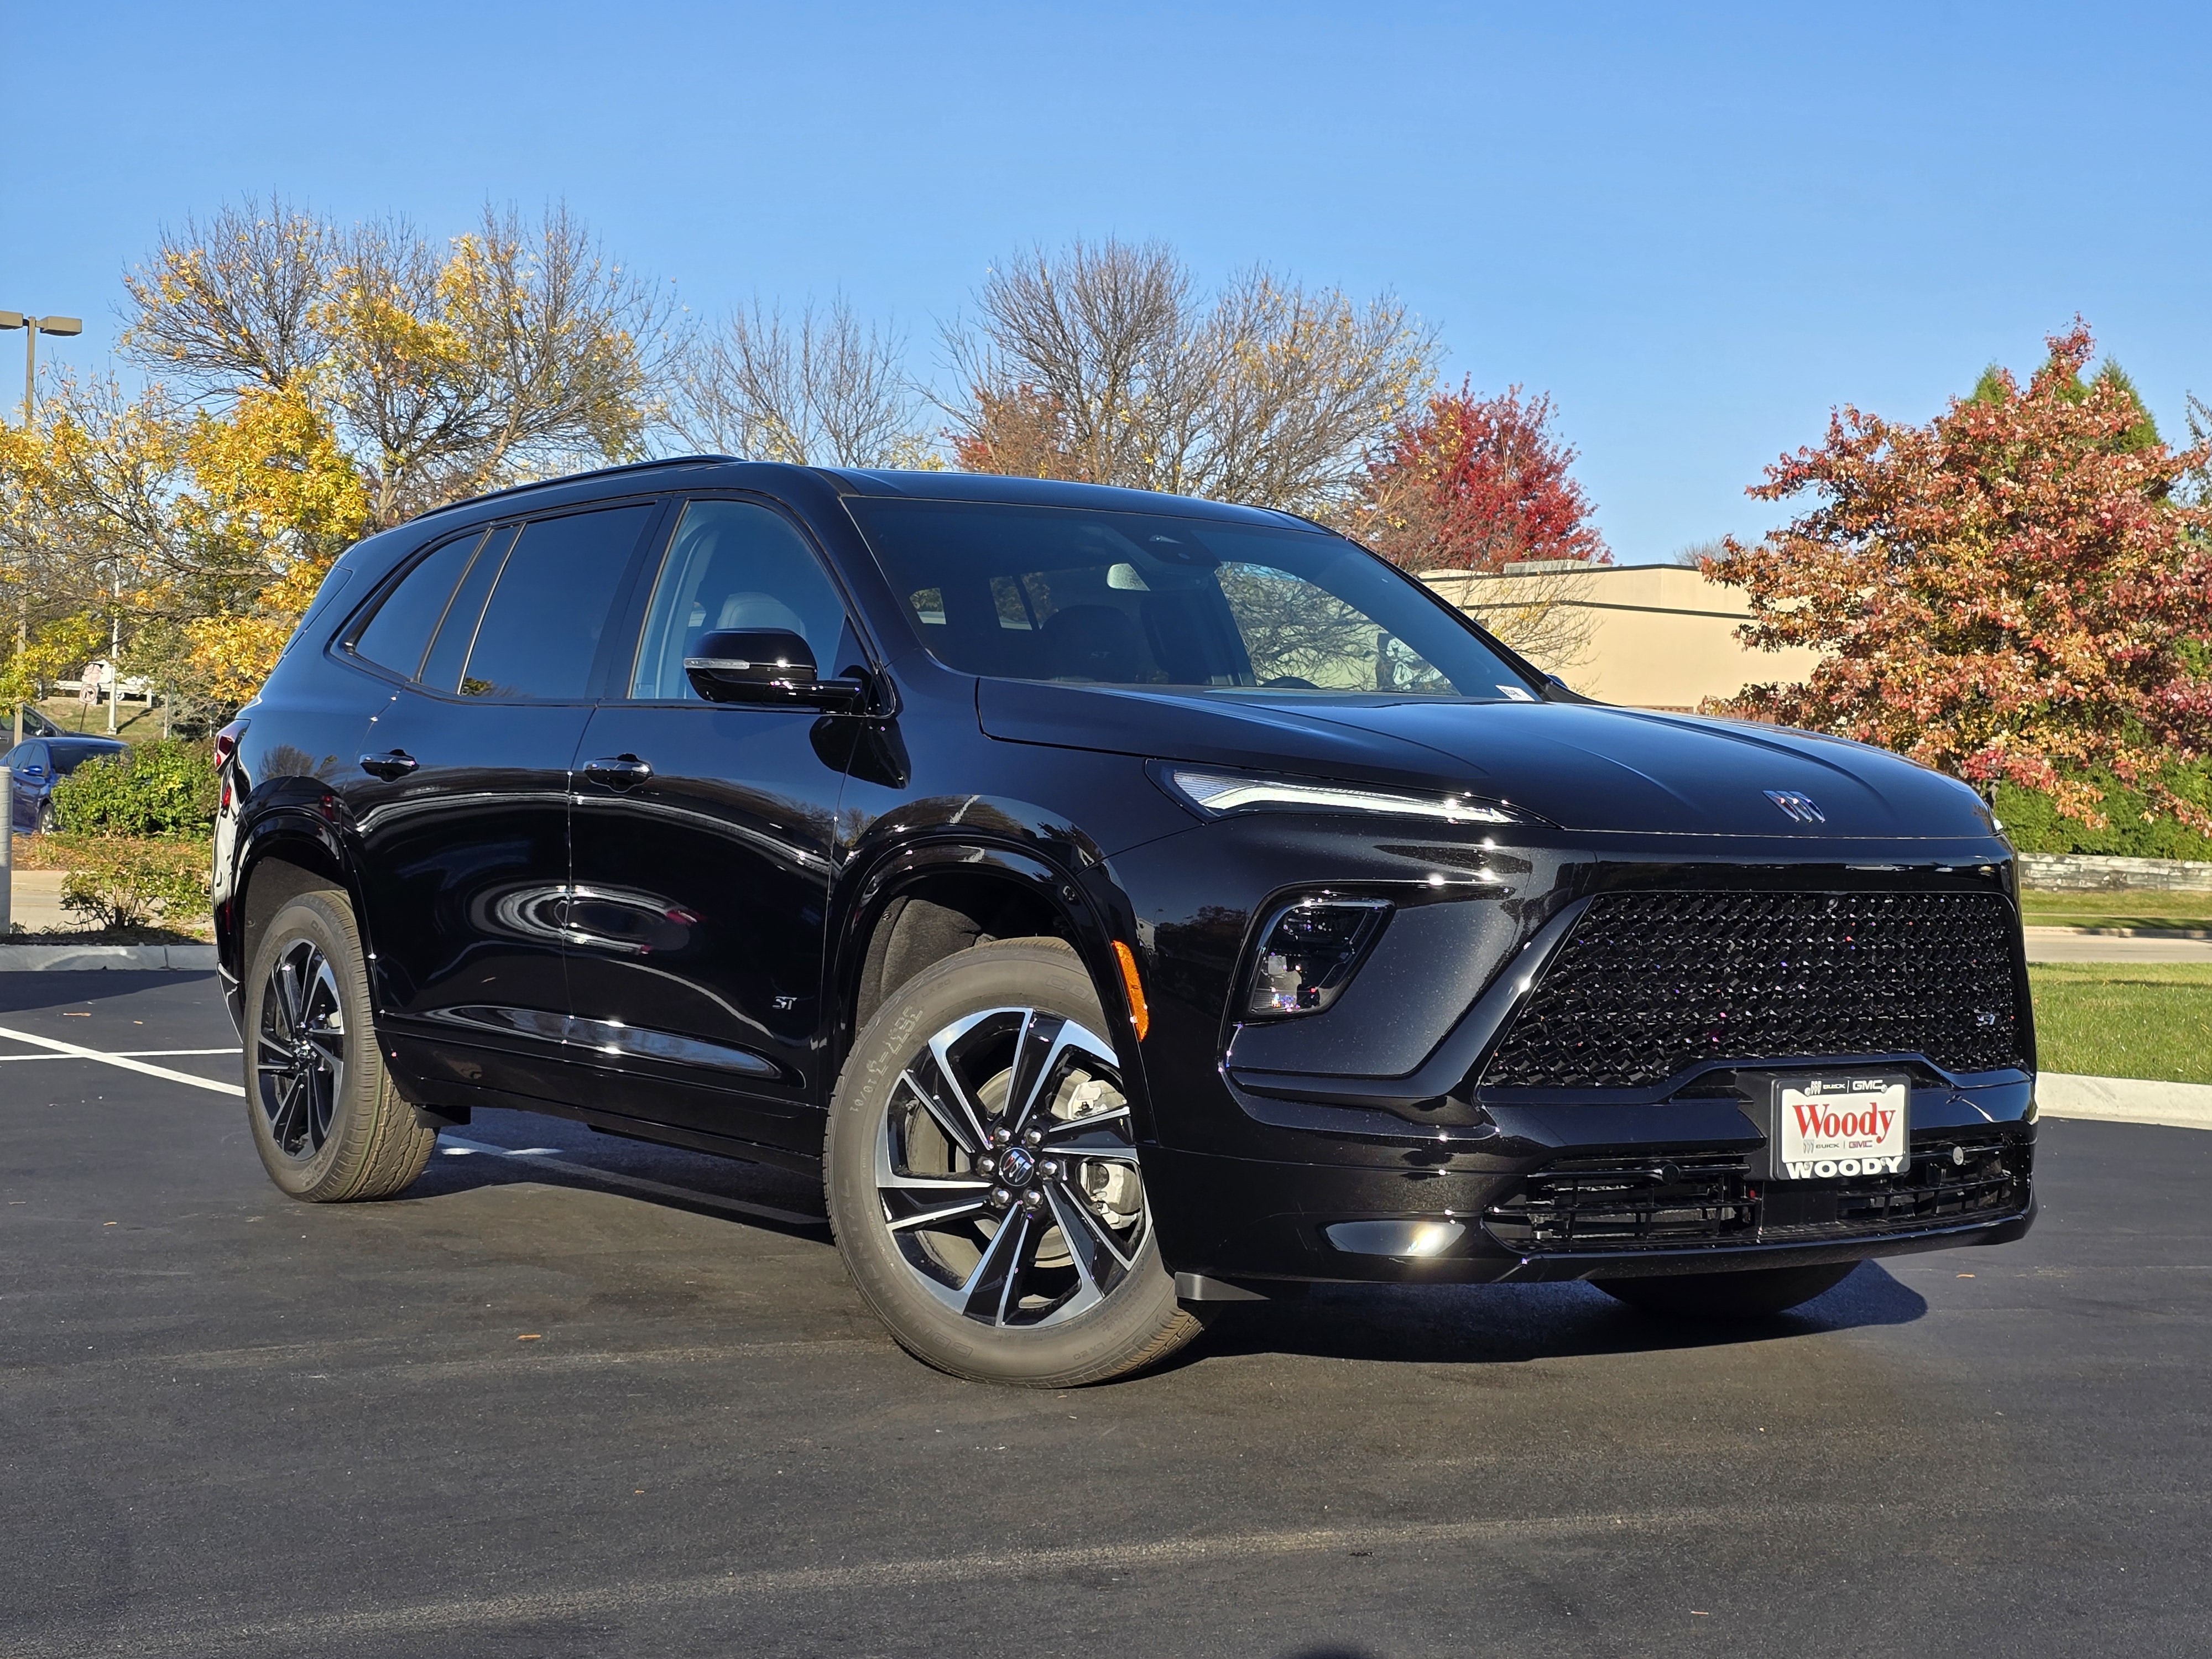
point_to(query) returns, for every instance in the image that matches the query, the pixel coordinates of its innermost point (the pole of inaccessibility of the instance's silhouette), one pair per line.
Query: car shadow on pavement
(1491, 1324)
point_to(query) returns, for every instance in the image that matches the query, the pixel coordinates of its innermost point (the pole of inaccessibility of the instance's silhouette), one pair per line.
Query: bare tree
(1103, 364)
(1541, 610)
(529, 351)
(518, 350)
(1694, 554)
(1300, 386)
(827, 391)
(235, 299)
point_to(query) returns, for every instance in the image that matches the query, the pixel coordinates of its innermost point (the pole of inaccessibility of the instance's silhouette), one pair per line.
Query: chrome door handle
(618, 771)
(395, 764)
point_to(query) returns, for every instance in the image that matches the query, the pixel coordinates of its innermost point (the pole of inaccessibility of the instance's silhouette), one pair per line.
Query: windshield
(1142, 598)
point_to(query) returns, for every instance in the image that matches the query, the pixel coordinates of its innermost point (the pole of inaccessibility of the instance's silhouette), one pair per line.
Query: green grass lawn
(2117, 909)
(2151, 1019)
(135, 722)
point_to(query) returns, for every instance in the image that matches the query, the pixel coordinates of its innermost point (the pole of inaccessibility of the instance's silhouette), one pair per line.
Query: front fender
(1079, 891)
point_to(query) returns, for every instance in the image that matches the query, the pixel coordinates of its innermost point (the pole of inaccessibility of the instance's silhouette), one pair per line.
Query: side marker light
(1139, 1015)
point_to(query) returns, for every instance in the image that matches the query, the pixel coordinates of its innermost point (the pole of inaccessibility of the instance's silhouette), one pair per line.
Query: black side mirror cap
(766, 665)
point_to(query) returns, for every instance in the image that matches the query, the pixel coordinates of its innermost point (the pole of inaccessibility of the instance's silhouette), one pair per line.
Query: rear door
(461, 801)
(703, 836)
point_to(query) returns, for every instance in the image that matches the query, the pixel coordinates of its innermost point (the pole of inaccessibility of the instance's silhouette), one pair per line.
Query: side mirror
(766, 665)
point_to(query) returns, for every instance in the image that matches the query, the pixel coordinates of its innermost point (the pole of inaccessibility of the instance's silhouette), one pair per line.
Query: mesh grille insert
(1650, 983)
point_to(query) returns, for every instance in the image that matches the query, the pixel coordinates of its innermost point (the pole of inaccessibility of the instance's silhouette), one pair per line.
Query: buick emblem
(1798, 807)
(1016, 1166)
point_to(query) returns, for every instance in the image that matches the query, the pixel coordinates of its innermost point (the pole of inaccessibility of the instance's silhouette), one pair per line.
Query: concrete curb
(2035, 930)
(172, 958)
(2125, 1100)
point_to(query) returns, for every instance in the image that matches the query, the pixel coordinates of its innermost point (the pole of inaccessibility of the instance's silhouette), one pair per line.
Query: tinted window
(734, 564)
(31, 754)
(68, 756)
(1133, 598)
(449, 651)
(541, 631)
(400, 630)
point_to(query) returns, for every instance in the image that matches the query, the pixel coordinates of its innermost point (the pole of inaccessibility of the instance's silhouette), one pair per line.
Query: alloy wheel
(1007, 1170)
(299, 1049)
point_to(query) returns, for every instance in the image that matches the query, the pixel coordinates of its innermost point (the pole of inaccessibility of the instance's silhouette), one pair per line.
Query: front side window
(1135, 598)
(734, 564)
(539, 635)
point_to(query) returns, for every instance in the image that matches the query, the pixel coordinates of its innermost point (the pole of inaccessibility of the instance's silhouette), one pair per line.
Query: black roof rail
(576, 478)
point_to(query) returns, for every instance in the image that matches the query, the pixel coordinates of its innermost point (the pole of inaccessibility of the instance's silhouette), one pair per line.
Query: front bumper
(1592, 1191)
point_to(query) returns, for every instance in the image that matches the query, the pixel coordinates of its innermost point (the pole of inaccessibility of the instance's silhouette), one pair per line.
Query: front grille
(1687, 1202)
(1650, 983)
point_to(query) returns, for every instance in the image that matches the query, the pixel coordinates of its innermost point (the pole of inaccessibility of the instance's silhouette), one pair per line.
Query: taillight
(225, 746)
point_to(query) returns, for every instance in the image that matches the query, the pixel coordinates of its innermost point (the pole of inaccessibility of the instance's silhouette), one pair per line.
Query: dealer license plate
(1840, 1125)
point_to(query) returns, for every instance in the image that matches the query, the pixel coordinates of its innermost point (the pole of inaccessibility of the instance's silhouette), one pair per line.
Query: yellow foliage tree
(274, 500)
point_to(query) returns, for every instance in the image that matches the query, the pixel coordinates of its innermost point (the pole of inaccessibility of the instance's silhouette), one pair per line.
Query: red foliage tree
(2013, 591)
(1472, 483)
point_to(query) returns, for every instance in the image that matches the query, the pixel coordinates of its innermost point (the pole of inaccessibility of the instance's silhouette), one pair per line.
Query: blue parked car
(37, 764)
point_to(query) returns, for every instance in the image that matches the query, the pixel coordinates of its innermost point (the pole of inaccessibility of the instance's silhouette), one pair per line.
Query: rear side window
(68, 757)
(399, 632)
(540, 635)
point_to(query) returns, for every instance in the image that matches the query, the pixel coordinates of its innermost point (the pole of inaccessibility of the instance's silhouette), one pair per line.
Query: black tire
(47, 822)
(327, 1123)
(1753, 1293)
(991, 1288)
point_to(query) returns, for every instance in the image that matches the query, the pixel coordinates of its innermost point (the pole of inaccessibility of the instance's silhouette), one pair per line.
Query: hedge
(165, 788)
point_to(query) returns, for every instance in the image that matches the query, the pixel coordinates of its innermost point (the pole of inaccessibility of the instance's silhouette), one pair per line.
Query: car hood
(1583, 766)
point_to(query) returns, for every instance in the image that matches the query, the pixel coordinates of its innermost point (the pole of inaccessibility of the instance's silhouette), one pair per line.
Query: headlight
(1307, 952)
(1217, 794)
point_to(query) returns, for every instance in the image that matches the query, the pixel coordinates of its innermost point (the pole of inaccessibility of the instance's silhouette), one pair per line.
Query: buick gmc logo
(1798, 807)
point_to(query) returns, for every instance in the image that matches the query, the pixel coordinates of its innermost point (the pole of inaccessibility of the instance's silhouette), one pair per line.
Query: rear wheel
(1752, 1294)
(983, 1181)
(326, 1119)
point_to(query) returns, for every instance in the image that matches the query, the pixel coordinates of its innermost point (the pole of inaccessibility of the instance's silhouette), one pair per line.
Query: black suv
(1128, 904)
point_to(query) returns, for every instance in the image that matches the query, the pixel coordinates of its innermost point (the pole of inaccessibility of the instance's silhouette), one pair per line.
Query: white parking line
(132, 1053)
(126, 1061)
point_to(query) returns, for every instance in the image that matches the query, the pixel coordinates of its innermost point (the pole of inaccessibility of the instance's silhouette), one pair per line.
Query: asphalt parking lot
(577, 1396)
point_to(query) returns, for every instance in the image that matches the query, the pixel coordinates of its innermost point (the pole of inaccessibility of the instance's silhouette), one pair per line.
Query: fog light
(1308, 951)
(1412, 1237)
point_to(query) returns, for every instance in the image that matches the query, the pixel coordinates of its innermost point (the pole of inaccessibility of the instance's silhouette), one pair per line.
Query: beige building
(1658, 636)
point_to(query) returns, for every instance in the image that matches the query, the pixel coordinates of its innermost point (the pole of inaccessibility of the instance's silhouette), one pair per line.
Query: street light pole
(32, 328)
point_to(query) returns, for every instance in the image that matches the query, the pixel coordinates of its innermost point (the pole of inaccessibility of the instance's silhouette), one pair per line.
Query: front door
(702, 842)
(27, 772)
(461, 806)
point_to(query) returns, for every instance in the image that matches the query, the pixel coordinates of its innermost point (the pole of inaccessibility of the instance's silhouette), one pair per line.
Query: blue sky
(1697, 227)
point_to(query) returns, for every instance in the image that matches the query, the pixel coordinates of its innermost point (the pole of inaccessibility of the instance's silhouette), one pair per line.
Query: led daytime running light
(1229, 791)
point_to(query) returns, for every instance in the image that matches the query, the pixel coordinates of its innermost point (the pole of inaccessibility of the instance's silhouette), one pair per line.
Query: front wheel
(983, 1182)
(1753, 1293)
(326, 1121)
